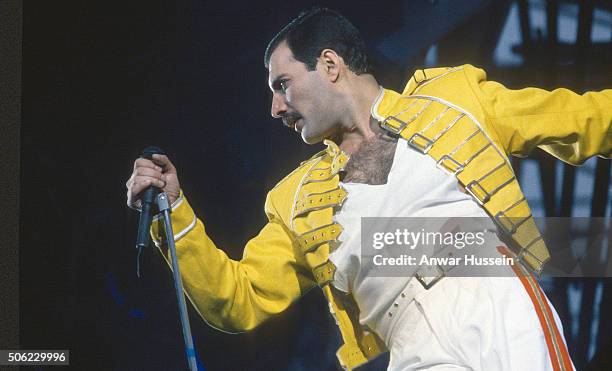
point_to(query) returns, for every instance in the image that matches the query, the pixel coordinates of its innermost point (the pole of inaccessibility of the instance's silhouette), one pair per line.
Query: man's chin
(310, 139)
(315, 138)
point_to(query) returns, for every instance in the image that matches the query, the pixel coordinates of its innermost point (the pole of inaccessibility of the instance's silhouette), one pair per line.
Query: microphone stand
(163, 205)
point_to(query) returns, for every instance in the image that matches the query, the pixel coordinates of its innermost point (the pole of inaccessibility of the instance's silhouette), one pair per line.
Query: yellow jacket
(470, 126)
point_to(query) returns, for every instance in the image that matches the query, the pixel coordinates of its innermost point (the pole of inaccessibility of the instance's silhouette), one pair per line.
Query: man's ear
(331, 63)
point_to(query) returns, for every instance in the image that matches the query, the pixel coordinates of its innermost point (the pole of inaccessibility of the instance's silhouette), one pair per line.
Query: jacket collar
(384, 102)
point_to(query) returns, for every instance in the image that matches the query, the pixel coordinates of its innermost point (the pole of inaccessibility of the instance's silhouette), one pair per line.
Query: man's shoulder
(445, 75)
(291, 181)
(449, 86)
(296, 175)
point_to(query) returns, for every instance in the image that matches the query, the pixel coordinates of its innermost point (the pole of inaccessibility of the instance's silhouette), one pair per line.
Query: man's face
(300, 97)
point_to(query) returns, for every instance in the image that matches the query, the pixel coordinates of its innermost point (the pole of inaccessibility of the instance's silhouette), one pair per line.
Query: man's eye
(283, 86)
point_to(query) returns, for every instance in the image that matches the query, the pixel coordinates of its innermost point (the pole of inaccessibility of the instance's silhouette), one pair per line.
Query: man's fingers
(159, 163)
(147, 171)
(141, 183)
(164, 162)
(158, 172)
(144, 163)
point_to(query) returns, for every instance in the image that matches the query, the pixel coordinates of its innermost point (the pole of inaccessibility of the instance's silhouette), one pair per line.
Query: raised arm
(567, 125)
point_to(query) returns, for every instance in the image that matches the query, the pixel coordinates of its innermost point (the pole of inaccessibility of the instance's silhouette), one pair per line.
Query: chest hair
(371, 163)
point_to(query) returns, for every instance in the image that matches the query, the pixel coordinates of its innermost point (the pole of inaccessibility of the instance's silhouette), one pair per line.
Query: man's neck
(359, 124)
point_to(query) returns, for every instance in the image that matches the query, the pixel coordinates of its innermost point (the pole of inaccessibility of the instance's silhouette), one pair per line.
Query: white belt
(388, 321)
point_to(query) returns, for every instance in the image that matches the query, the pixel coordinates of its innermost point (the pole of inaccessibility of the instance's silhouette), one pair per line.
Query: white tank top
(415, 187)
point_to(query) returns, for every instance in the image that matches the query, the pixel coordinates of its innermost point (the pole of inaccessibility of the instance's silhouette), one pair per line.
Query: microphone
(148, 199)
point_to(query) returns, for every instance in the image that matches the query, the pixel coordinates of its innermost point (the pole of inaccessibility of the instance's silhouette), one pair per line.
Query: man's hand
(159, 173)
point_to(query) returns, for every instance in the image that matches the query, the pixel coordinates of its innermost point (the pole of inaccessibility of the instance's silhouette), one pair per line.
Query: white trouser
(476, 323)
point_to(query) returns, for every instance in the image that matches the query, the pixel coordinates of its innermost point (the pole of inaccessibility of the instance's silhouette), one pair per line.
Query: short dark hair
(318, 29)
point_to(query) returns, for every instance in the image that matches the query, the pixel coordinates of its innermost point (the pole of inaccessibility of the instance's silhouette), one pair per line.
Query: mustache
(290, 118)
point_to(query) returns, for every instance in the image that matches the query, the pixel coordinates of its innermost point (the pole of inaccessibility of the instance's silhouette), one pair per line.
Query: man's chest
(371, 163)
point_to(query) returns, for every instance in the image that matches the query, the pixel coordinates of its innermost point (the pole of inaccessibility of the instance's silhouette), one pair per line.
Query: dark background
(103, 80)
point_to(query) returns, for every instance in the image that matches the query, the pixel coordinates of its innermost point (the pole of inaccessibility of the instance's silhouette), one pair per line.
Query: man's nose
(279, 106)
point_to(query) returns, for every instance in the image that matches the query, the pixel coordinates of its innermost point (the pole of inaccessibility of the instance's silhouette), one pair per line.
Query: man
(439, 149)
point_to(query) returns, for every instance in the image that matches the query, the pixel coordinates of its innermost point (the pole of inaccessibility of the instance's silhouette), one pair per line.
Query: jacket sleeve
(230, 295)
(567, 125)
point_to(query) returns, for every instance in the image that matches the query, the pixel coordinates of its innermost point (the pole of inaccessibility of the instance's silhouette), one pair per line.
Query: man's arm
(230, 295)
(567, 125)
